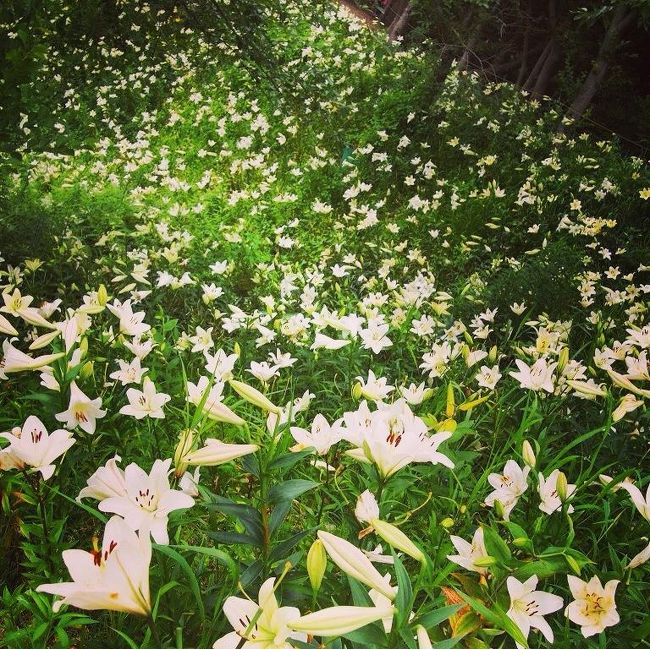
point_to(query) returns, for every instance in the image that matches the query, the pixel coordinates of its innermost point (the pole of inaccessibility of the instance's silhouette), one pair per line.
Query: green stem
(36, 486)
(154, 631)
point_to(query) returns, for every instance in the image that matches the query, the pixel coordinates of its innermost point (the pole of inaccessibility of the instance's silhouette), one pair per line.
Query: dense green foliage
(252, 197)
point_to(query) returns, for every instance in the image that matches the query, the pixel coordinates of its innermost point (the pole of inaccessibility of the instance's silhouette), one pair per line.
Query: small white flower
(82, 411)
(146, 402)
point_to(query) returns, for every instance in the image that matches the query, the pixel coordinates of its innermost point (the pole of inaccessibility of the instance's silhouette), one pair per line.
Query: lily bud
(528, 454)
(498, 508)
(83, 347)
(573, 564)
(87, 370)
(44, 340)
(561, 486)
(6, 327)
(521, 541)
(447, 426)
(587, 389)
(237, 349)
(397, 539)
(447, 523)
(254, 396)
(355, 563)
(423, 639)
(102, 295)
(468, 339)
(563, 359)
(626, 384)
(183, 448)
(338, 620)
(316, 564)
(451, 402)
(357, 391)
(492, 355)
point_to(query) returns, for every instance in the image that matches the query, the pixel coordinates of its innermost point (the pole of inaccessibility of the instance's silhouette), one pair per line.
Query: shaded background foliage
(547, 47)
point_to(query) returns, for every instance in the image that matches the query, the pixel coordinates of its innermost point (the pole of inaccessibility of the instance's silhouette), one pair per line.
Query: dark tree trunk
(469, 49)
(540, 76)
(546, 73)
(400, 23)
(393, 11)
(530, 81)
(621, 20)
(525, 50)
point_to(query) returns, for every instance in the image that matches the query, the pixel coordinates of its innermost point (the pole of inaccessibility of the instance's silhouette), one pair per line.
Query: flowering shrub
(367, 370)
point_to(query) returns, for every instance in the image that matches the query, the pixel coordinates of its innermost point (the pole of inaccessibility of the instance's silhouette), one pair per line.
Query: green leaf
(369, 635)
(249, 516)
(360, 595)
(282, 550)
(251, 573)
(496, 546)
(447, 644)
(278, 515)
(234, 538)
(404, 592)
(222, 557)
(93, 512)
(290, 490)
(287, 460)
(543, 568)
(189, 573)
(126, 638)
(497, 618)
(440, 615)
(406, 633)
(161, 591)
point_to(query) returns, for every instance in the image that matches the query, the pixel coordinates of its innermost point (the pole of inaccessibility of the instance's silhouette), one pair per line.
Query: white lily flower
(594, 607)
(640, 502)
(213, 406)
(13, 360)
(538, 376)
(220, 364)
(82, 411)
(262, 625)
(321, 341)
(393, 437)
(374, 337)
(547, 489)
(107, 481)
(373, 388)
(129, 372)
(367, 508)
(131, 324)
(508, 486)
(416, 394)
(640, 558)
(469, 553)
(6, 327)
(148, 500)
(321, 437)
(32, 446)
(115, 578)
(529, 606)
(146, 402)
